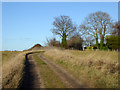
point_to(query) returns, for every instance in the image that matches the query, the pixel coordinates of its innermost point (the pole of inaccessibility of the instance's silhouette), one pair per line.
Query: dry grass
(8, 55)
(12, 68)
(96, 68)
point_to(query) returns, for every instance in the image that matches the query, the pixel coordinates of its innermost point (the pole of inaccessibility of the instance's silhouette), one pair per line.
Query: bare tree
(63, 27)
(51, 42)
(116, 29)
(97, 25)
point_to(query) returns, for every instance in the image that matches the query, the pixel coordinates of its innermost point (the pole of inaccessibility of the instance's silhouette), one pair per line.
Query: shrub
(113, 42)
(104, 48)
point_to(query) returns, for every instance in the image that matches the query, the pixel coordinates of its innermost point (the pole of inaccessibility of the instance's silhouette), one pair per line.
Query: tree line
(97, 30)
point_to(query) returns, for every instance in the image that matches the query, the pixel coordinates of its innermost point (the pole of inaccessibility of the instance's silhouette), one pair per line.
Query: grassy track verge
(96, 68)
(8, 55)
(48, 76)
(12, 68)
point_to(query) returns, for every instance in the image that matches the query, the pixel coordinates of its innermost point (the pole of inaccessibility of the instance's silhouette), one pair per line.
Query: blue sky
(28, 23)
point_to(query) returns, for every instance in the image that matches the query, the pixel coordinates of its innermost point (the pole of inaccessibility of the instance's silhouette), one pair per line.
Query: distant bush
(104, 48)
(75, 42)
(113, 42)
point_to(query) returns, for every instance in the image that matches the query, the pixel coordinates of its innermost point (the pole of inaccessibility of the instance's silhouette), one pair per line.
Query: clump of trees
(97, 29)
(97, 25)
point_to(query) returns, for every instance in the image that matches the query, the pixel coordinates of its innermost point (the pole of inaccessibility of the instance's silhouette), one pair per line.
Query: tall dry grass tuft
(95, 68)
(12, 70)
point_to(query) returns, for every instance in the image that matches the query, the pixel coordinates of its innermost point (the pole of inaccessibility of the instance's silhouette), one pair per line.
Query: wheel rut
(66, 78)
(31, 78)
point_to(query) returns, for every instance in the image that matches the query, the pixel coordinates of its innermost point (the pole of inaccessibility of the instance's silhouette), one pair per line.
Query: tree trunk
(97, 42)
(64, 42)
(101, 42)
(102, 37)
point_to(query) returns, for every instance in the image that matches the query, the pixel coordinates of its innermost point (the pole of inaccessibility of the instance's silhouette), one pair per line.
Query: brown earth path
(66, 78)
(31, 78)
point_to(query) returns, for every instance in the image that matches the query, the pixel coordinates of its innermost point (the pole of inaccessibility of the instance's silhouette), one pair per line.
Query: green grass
(48, 76)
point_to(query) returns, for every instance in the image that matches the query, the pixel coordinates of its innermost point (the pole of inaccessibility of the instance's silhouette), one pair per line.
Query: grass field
(98, 69)
(12, 68)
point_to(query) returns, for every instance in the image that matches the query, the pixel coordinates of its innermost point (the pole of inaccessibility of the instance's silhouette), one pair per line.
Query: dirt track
(31, 77)
(66, 78)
